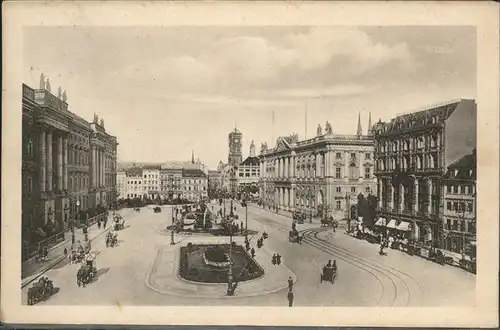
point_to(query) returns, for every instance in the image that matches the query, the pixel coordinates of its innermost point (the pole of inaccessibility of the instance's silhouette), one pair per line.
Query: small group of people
(276, 259)
(290, 292)
(43, 253)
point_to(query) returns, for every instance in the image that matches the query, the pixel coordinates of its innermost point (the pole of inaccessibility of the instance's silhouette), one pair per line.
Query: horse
(325, 223)
(85, 275)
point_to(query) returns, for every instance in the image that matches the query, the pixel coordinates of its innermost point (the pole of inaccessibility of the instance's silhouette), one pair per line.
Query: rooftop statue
(59, 93)
(294, 137)
(64, 96)
(42, 81)
(96, 118)
(101, 122)
(47, 85)
(328, 128)
(319, 131)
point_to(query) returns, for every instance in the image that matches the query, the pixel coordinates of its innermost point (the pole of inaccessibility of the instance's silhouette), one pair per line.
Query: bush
(216, 254)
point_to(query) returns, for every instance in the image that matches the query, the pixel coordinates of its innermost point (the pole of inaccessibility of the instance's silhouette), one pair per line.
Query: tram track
(398, 288)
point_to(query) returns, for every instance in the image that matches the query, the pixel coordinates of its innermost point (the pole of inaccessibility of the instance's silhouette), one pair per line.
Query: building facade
(194, 184)
(412, 152)
(235, 157)
(459, 219)
(135, 183)
(215, 181)
(248, 172)
(326, 172)
(151, 182)
(170, 181)
(121, 183)
(64, 164)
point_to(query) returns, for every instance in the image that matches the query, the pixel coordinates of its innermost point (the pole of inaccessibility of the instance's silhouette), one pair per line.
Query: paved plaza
(142, 270)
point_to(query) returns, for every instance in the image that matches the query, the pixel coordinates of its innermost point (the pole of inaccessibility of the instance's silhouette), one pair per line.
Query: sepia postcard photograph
(192, 163)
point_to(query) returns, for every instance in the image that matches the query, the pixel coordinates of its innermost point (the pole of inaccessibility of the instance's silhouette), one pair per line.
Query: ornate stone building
(412, 153)
(58, 165)
(328, 170)
(248, 172)
(459, 221)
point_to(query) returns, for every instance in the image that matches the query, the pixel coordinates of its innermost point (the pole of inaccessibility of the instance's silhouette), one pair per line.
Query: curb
(55, 263)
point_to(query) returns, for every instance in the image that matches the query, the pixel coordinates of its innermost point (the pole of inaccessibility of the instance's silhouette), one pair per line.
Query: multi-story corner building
(194, 184)
(248, 172)
(328, 170)
(459, 219)
(152, 181)
(64, 164)
(226, 171)
(121, 183)
(412, 153)
(135, 183)
(170, 181)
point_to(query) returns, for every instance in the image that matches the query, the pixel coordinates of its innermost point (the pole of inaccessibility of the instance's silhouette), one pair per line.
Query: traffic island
(210, 263)
(166, 275)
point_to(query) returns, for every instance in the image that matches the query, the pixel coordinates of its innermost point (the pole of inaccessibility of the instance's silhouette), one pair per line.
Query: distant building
(235, 156)
(248, 172)
(151, 182)
(412, 153)
(194, 184)
(328, 171)
(121, 183)
(215, 182)
(170, 181)
(459, 219)
(135, 183)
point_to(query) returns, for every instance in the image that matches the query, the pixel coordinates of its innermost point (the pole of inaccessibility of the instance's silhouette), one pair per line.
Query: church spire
(360, 131)
(370, 128)
(192, 156)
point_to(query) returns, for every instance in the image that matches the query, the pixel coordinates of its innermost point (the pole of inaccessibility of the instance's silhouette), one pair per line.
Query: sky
(165, 91)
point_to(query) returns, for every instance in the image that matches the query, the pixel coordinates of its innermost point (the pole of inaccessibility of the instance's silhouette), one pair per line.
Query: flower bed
(199, 266)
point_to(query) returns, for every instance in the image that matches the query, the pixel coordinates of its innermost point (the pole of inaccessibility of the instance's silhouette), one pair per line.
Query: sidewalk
(31, 270)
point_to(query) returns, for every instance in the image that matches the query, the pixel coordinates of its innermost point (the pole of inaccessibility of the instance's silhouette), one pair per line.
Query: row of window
(417, 143)
(460, 225)
(460, 206)
(195, 181)
(353, 189)
(460, 189)
(338, 155)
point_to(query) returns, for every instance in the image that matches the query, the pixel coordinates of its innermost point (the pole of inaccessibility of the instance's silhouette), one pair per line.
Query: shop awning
(392, 224)
(381, 222)
(403, 226)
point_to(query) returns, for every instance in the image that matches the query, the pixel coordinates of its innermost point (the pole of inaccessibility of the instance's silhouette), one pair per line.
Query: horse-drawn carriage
(87, 272)
(119, 223)
(294, 237)
(329, 272)
(111, 239)
(299, 217)
(40, 290)
(157, 209)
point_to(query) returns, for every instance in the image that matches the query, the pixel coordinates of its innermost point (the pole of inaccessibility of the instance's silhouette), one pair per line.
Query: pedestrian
(99, 224)
(65, 252)
(290, 284)
(273, 259)
(252, 251)
(278, 259)
(290, 298)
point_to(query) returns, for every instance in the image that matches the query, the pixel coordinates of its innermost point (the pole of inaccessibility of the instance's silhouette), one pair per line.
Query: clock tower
(235, 156)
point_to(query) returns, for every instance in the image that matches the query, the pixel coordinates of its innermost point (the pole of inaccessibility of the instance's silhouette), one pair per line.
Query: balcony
(28, 93)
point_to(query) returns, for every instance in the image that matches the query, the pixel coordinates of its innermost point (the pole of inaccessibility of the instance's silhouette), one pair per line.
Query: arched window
(353, 172)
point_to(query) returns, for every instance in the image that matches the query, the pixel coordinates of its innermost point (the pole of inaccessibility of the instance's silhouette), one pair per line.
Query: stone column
(103, 168)
(401, 197)
(59, 163)
(275, 162)
(415, 198)
(346, 165)
(326, 162)
(93, 162)
(318, 166)
(49, 161)
(429, 207)
(285, 167)
(43, 159)
(285, 199)
(380, 193)
(391, 196)
(65, 163)
(292, 198)
(361, 171)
